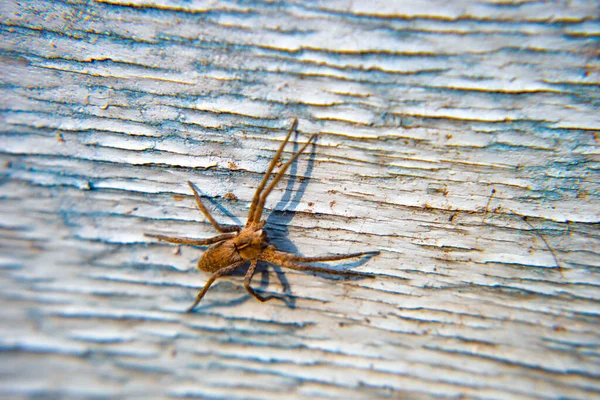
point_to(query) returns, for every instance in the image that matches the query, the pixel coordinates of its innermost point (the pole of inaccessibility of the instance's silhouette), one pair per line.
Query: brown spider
(237, 245)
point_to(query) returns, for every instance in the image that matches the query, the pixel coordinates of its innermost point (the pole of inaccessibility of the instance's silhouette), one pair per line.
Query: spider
(236, 246)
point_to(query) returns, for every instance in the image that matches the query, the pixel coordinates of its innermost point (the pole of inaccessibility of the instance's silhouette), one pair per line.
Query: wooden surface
(458, 137)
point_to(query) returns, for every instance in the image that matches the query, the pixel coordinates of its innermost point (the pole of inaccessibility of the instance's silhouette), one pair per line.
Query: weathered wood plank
(460, 138)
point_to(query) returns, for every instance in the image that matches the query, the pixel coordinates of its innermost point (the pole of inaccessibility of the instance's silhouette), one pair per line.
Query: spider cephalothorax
(238, 245)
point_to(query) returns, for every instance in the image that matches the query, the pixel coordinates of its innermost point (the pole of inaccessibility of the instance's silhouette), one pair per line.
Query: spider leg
(213, 277)
(268, 173)
(333, 257)
(301, 267)
(248, 280)
(217, 226)
(193, 242)
(265, 194)
(288, 260)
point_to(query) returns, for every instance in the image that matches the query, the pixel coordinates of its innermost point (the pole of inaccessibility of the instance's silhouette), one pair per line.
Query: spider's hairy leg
(288, 260)
(193, 242)
(215, 224)
(248, 280)
(213, 277)
(301, 267)
(333, 257)
(265, 194)
(268, 173)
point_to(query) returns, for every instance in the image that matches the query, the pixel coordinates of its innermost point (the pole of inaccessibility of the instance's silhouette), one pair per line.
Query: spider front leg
(265, 178)
(213, 277)
(263, 196)
(248, 280)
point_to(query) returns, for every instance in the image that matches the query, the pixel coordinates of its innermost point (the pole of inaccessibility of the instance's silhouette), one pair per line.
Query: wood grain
(459, 138)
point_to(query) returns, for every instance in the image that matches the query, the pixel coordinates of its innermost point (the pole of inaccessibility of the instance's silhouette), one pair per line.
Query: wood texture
(459, 137)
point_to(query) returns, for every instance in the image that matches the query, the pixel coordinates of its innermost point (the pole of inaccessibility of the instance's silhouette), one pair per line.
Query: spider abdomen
(218, 256)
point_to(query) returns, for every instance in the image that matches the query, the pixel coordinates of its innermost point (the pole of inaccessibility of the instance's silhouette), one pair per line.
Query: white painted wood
(424, 110)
